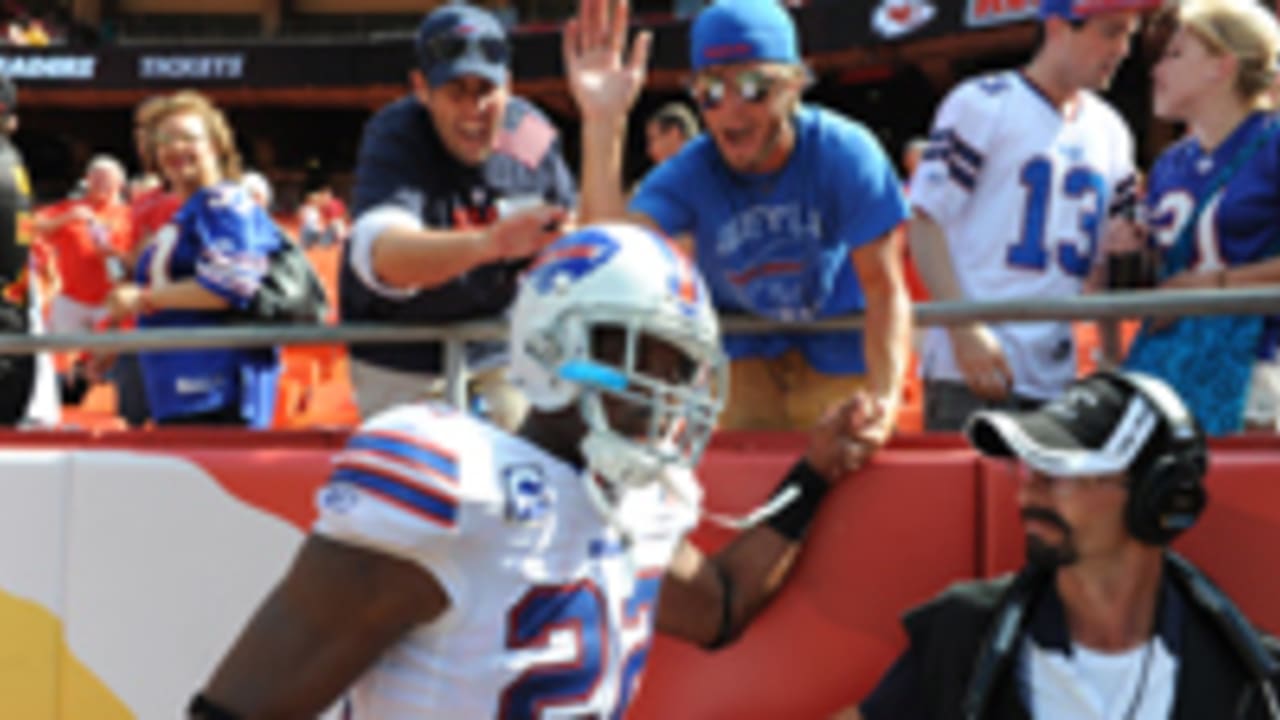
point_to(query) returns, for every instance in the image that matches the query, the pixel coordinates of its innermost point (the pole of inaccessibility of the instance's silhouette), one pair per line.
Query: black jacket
(931, 680)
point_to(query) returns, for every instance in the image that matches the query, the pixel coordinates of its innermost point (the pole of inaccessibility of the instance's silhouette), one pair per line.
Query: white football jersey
(1023, 193)
(551, 609)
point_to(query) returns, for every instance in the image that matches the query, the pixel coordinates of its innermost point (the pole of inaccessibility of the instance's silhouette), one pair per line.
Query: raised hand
(594, 43)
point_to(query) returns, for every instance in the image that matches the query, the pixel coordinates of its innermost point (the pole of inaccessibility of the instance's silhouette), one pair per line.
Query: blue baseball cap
(1081, 9)
(734, 31)
(458, 40)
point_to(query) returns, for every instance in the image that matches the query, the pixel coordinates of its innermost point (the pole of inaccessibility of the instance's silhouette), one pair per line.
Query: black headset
(1166, 489)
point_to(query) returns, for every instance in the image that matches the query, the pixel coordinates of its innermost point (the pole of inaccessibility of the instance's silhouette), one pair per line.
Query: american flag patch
(528, 141)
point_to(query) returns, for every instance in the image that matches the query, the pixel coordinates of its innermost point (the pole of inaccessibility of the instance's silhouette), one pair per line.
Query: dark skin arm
(760, 559)
(337, 609)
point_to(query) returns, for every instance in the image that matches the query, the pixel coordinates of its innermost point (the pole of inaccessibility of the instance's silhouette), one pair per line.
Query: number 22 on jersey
(579, 609)
(1071, 243)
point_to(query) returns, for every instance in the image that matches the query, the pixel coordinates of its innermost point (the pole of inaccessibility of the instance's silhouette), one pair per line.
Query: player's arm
(337, 609)
(709, 600)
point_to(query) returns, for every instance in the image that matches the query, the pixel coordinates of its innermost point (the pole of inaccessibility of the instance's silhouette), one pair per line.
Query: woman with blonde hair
(1213, 211)
(199, 270)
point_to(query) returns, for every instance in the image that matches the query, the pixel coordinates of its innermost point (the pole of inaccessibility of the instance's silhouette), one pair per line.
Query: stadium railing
(1103, 306)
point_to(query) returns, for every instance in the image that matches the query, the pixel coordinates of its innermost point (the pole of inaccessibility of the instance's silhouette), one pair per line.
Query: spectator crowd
(793, 213)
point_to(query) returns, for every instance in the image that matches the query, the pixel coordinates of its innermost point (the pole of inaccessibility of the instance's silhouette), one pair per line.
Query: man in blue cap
(792, 209)
(457, 185)
(1022, 171)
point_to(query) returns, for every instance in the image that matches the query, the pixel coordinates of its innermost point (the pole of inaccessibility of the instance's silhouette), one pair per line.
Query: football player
(460, 571)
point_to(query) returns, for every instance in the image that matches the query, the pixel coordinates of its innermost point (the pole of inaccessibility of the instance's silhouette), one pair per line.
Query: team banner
(825, 26)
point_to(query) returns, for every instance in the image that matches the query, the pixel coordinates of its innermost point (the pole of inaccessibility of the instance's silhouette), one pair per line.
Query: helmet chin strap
(622, 465)
(619, 464)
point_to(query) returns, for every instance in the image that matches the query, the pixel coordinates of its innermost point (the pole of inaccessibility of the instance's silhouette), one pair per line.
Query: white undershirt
(1093, 685)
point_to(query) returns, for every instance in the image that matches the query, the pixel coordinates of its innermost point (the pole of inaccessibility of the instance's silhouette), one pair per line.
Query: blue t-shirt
(1241, 224)
(778, 246)
(403, 164)
(222, 239)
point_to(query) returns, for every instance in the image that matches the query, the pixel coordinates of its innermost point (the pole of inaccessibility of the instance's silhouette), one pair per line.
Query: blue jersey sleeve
(664, 195)
(392, 163)
(869, 202)
(233, 239)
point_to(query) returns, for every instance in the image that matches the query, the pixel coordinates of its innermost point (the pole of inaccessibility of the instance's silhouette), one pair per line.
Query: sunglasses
(448, 47)
(753, 86)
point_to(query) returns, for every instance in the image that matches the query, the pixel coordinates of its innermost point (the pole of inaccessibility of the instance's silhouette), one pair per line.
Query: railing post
(455, 372)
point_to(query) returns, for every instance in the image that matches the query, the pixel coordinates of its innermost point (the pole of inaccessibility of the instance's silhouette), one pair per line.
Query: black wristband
(202, 708)
(792, 521)
(726, 634)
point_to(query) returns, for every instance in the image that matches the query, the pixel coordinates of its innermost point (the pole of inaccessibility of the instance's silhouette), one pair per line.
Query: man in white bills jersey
(459, 571)
(1022, 171)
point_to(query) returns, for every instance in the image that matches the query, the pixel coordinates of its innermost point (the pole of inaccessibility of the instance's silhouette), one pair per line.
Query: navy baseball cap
(734, 31)
(1081, 9)
(458, 40)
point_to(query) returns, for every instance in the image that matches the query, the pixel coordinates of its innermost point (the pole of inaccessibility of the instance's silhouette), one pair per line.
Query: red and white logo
(895, 18)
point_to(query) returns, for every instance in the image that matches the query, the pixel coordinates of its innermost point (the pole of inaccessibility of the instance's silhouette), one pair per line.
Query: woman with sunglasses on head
(792, 208)
(1213, 211)
(198, 271)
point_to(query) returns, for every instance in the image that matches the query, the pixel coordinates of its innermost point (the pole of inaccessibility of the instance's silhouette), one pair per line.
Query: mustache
(1047, 516)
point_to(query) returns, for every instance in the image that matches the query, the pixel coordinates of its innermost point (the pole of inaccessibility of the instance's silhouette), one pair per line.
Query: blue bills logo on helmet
(572, 258)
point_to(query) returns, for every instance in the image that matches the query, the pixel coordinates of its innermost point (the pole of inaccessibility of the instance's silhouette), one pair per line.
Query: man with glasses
(457, 185)
(792, 208)
(1023, 168)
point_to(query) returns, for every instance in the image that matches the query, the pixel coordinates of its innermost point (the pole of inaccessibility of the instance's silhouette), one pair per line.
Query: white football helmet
(631, 279)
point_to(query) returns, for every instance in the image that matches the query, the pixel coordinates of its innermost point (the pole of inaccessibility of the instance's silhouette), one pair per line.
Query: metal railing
(1112, 306)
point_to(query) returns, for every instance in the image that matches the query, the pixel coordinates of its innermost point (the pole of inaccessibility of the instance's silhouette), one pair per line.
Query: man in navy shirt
(457, 185)
(792, 209)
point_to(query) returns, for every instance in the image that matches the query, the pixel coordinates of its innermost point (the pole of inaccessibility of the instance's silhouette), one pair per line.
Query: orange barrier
(928, 512)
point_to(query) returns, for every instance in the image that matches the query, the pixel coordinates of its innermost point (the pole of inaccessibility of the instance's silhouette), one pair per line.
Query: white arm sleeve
(372, 223)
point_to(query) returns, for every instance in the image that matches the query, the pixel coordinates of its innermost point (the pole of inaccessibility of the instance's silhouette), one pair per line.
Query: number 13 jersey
(551, 610)
(1022, 191)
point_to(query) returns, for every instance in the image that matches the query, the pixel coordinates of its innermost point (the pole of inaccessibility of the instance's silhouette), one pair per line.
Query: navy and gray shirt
(405, 172)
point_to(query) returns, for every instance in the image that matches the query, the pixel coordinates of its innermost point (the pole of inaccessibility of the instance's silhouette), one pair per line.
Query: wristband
(725, 635)
(792, 521)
